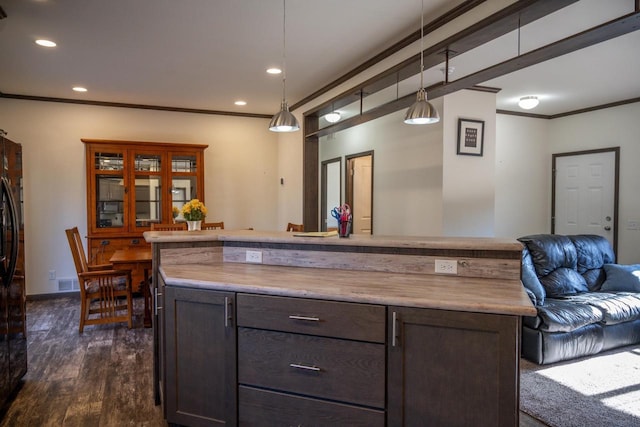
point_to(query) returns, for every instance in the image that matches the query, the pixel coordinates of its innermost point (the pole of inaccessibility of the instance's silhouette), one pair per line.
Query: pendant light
(421, 112)
(283, 120)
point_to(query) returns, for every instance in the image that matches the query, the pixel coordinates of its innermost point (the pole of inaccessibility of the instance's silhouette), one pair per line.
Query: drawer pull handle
(307, 318)
(305, 367)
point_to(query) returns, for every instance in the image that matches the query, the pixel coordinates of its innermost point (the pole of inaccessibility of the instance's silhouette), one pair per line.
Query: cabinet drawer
(348, 371)
(325, 318)
(269, 408)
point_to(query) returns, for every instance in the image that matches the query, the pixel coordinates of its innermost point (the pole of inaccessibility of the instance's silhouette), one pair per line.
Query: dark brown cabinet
(310, 362)
(199, 357)
(450, 368)
(304, 361)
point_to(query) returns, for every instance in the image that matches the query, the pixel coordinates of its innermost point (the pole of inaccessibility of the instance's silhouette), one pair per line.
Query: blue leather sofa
(586, 303)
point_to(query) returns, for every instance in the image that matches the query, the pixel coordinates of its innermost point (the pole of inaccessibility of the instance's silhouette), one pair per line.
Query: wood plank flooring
(101, 378)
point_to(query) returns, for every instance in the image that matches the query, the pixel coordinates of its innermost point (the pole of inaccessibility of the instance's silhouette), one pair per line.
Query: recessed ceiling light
(80, 89)
(240, 103)
(274, 70)
(45, 43)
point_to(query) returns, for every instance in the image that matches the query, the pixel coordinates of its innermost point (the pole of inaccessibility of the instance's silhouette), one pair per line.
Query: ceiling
(206, 54)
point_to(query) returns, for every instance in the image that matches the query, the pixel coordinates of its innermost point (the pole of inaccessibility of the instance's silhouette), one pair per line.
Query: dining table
(137, 259)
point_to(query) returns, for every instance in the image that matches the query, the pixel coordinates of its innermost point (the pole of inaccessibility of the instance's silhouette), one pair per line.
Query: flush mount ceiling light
(45, 43)
(284, 121)
(79, 89)
(421, 112)
(240, 103)
(332, 117)
(274, 70)
(528, 102)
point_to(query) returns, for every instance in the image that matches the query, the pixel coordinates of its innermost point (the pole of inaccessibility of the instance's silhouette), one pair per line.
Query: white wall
(612, 127)
(468, 181)
(522, 176)
(523, 169)
(407, 166)
(241, 170)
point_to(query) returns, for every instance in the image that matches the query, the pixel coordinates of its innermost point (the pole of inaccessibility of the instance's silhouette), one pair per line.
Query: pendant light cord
(421, 45)
(284, 49)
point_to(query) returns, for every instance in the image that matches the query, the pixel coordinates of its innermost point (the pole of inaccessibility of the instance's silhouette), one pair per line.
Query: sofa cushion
(565, 315)
(593, 253)
(562, 282)
(622, 278)
(555, 260)
(616, 307)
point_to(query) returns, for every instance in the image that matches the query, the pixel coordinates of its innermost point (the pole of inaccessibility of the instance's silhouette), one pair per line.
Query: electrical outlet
(52, 275)
(254, 257)
(446, 266)
(633, 225)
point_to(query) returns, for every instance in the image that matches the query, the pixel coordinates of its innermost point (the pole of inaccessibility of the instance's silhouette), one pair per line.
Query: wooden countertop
(498, 296)
(452, 243)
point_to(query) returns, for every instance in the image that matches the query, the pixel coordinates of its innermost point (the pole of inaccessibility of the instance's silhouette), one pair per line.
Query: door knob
(608, 228)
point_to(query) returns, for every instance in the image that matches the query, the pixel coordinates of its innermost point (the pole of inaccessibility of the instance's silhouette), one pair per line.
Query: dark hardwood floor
(102, 377)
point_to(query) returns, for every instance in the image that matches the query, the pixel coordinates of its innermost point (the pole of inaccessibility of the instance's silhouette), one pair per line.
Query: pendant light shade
(421, 112)
(283, 120)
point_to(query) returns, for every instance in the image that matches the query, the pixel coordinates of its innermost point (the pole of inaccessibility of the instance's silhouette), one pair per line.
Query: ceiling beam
(617, 27)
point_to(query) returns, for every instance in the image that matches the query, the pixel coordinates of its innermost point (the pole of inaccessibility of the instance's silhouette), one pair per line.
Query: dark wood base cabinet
(450, 368)
(200, 358)
(306, 362)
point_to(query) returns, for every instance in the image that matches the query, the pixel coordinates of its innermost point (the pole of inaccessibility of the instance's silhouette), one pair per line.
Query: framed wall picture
(470, 137)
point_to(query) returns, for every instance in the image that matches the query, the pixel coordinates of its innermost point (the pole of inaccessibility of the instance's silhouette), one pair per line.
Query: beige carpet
(601, 390)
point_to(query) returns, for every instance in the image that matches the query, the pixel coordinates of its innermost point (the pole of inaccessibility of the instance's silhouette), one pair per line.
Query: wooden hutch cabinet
(132, 184)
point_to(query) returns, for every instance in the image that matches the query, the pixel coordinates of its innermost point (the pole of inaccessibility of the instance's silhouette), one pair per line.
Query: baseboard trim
(40, 297)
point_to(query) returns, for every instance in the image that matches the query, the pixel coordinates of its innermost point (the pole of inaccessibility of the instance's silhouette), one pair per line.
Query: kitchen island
(270, 329)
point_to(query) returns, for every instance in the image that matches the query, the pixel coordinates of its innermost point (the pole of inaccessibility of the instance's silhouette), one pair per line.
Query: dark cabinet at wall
(452, 368)
(200, 357)
(13, 334)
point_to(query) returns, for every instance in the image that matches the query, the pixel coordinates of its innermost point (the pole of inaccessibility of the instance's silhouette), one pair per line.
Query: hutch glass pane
(147, 163)
(183, 163)
(109, 161)
(110, 201)
(183, 189)
(148, 200)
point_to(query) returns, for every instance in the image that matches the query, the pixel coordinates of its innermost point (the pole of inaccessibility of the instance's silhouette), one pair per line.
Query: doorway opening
(359, 191)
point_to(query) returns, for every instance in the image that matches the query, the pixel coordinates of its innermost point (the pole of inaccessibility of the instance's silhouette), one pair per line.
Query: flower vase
(194, 225)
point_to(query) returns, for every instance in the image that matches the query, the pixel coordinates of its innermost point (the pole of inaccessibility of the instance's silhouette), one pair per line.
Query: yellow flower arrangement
(194, 210)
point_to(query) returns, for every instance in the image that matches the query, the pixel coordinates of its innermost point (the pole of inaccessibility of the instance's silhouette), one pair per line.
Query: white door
(585, 194)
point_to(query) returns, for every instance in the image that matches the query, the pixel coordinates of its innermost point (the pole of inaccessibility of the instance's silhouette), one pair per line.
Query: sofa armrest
(530, 279)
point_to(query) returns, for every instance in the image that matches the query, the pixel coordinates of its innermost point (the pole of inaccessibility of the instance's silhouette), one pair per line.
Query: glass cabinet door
(184, 179)
(147, 189)
(110, 189)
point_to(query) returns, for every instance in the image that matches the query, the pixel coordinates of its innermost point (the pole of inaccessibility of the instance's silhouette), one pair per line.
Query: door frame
(348, 180)
(323, 189)
(616, 151)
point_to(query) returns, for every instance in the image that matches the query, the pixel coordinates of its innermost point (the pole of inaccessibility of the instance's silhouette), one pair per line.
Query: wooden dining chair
(178, 226)
(213, 225)
(295, 227)
(105, 293)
